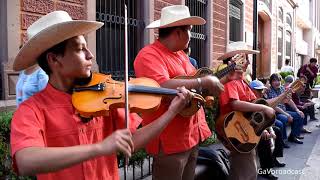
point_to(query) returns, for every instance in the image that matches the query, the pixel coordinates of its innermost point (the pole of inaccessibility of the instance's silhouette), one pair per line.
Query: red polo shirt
(235, 90)
(48, 119)
(157, 62)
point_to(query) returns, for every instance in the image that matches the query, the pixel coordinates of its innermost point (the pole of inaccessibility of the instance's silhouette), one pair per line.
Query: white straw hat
(237, 47)
(177, 15)
(49, 31)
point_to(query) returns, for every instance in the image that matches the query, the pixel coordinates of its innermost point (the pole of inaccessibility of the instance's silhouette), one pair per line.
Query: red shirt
(48, 119)
(235, 90)
(157, 62)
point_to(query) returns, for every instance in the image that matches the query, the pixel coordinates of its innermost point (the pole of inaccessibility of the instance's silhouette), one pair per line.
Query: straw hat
(177, 15)
(49, 31)
(237, 47)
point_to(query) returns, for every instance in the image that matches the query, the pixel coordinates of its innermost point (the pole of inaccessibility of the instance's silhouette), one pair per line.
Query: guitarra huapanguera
(241, 131)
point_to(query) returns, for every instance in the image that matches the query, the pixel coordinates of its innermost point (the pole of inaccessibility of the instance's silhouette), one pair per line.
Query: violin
(103, 94)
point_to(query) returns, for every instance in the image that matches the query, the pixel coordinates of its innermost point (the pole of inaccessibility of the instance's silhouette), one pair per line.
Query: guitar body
(241, 131)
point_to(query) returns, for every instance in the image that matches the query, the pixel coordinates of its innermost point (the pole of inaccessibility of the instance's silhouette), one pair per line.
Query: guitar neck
(278, 100)
(295, 86)
(220, 74)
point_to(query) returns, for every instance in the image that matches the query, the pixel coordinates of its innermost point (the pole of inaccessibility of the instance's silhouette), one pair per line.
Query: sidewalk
(302, 161)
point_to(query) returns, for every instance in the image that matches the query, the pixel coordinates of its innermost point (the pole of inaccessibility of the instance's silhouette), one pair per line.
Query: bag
(217, 160)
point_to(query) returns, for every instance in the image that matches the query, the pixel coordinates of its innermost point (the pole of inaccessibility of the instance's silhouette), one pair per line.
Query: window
(288, 45)
(198, 33)
(235, 20)
(280, 47)
(280, 38)
(110, 38)
(3, 43)
(288, 36)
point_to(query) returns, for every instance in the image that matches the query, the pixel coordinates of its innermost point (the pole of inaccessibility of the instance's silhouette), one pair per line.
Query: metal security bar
(110, 38)
(198, 33)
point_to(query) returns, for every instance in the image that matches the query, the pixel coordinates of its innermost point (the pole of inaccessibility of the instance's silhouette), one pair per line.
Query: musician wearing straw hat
(238, 97)
(175, 150)
(48, 138)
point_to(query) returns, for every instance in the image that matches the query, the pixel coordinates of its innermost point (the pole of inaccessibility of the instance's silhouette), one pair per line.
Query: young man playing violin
(48, 138)
(237, 96)
(175, 149)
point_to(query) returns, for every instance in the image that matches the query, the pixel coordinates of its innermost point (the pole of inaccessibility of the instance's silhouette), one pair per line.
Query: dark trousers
(308, 111)
(266, 156)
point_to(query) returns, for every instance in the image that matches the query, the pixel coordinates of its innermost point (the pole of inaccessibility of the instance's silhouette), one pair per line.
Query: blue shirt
(273, 93)
(30, 84)
(193, 62)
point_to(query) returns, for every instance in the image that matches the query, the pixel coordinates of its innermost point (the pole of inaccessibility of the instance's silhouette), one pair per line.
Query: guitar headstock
(297, 85)
(239, 60)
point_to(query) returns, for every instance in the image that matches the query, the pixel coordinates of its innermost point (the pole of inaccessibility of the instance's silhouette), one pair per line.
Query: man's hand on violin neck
(181, 100)
(118, 141)
(212, 84)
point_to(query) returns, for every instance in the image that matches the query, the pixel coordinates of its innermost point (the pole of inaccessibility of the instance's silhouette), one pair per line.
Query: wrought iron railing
(198, 34)
(110, 38)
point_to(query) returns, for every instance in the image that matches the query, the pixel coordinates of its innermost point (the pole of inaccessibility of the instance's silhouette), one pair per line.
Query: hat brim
(50, 37)
(192, 20)
(260, 87)
(233, 53)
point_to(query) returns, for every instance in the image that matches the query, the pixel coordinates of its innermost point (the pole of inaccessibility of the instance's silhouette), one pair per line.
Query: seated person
(271, 143)
(307, 107)
(294, 117)
(287, 81)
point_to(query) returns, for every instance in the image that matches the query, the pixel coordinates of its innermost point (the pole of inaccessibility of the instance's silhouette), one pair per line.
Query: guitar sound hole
(258, 117)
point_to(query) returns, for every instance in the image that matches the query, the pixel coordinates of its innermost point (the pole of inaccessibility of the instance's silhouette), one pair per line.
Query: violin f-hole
(105, 100)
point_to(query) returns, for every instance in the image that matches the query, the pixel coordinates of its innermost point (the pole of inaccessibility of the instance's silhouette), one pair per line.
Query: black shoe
(279, 164)
(294, 140)
(299, 137)
(285, 145)
(314, 119)
(269, 176)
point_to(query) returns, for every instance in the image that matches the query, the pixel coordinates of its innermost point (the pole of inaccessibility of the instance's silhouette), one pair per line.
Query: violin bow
(126, 76)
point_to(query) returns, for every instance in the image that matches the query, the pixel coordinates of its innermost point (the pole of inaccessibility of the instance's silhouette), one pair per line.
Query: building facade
(307, 34)
(227, 21)
(287, 30)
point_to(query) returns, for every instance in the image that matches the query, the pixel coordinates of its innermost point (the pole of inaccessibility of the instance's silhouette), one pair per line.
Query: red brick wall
(219, 29)
(31, 10)
(249, 17)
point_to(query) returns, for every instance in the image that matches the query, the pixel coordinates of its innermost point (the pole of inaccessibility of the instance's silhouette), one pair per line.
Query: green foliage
(137, 158)
(212, 113)
(285, 74)
(6, 171)
(317, 80)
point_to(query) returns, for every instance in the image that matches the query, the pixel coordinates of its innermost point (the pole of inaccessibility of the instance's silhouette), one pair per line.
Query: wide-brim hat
(49, 31)
(235, 48)
(176, 15)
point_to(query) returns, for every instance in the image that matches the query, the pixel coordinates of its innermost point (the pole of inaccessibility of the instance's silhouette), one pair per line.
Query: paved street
(302, 161)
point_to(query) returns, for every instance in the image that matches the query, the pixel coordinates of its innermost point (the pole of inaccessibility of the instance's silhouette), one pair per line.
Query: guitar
(241, 131)
(237, 63)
